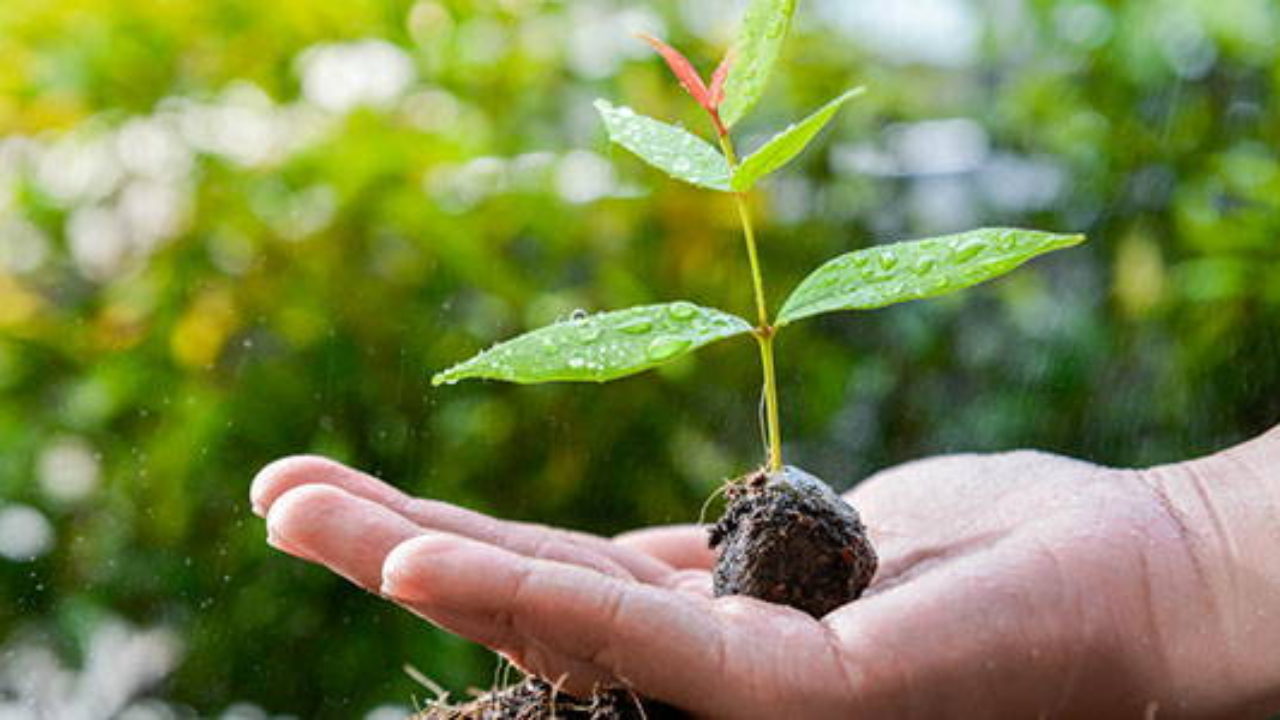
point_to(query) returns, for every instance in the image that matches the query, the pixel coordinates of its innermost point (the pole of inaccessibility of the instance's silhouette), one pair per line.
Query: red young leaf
(682, 68)
(716, 92)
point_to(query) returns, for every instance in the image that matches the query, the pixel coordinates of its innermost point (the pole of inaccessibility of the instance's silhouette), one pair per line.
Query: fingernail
(257, 490)
(401, 568)
(284, 546)
(395, 572)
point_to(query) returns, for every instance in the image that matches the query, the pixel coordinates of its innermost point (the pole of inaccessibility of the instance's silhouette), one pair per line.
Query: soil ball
(788, 538)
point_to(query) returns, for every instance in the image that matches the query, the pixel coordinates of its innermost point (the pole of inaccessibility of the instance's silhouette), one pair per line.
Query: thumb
(1227, 506)
(1258, 457)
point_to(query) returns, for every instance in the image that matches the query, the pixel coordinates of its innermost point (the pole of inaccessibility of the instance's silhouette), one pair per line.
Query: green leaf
(676, 152)
(889, 274)
(787, 144)
(759, 42)
(598, 348)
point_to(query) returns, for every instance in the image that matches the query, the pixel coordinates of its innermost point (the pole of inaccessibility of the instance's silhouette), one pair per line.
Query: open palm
(1010, 585)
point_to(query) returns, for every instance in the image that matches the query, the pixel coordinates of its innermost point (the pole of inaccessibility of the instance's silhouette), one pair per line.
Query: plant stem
(771, 400)
(765, 331)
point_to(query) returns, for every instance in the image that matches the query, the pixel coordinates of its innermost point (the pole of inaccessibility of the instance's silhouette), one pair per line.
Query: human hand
(1012, 585)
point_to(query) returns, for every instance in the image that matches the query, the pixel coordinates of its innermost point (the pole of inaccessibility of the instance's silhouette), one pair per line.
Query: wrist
(1227, 507)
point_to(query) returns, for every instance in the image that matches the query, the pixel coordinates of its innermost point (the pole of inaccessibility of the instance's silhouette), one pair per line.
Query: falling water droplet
(666, 347)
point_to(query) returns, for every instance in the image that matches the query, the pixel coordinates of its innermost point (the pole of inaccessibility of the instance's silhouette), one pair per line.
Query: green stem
(771, 400)
(765, 331)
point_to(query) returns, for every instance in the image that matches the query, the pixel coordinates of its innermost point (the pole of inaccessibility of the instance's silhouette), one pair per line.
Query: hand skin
(1016, 585)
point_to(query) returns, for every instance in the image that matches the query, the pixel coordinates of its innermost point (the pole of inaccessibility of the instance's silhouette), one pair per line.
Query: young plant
(611, 345)
(785, 536)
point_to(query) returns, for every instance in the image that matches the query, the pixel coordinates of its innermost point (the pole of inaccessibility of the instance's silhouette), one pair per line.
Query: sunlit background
(232, 230)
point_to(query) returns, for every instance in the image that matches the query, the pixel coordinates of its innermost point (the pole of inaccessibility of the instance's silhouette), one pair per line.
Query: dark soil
(786, 537)
(536, 699)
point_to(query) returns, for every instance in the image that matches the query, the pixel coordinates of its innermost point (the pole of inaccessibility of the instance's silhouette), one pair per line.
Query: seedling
(612, 345)
(785, 536)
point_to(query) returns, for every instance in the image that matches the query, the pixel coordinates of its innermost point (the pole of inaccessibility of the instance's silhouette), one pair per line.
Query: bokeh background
(235, 230)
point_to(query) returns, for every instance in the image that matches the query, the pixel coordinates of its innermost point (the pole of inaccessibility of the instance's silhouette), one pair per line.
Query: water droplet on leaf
(638, 326)
(683, 311)
(968, 249)
(666, 347)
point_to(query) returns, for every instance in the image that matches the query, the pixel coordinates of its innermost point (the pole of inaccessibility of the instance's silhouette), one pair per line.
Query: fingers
(283, 476)
(694, 582)
(348, 534)
(683, 547)
(353, 537)
(561, 620)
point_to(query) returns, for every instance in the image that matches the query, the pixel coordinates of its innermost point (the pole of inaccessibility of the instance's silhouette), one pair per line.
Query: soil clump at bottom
(537, 699)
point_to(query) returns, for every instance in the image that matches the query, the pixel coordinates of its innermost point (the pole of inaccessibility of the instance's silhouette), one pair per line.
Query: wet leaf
(682, 69)
(889, 274)
(756, 50)
(787, 144)
(672, 150)
(602, 347)
(715, 90)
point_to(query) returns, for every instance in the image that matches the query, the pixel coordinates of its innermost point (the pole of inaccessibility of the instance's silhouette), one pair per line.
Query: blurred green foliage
(232, 230)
